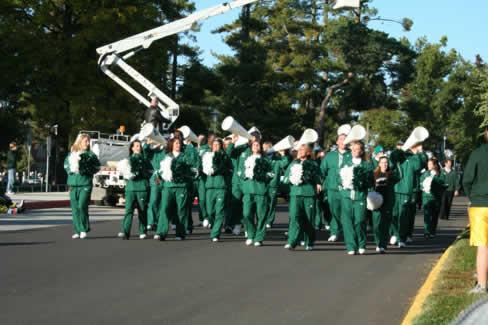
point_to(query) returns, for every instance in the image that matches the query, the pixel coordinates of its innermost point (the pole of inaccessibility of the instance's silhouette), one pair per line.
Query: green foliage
(386, 126)
(482, 110)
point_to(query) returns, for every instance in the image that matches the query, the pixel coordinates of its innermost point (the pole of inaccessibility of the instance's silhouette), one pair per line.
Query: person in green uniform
(193, 158)
(137, 174)
(155, 153)
(385, 180)
(203, 147)
(176, 173)
(279, 162)
(217, 167)
(256, 173)
(330, 174)
(378, 153)
(356, 177)
(452, 180)
(304, 177)
(475, 184)
(409, 164)
(433, 186)
(238, 155)
(80, 165)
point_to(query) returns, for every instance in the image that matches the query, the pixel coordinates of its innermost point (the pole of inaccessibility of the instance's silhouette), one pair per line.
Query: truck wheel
(110, 200)
(99, 203)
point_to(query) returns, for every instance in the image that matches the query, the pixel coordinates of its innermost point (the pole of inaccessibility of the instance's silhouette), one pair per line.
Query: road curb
(35, 205)
(425, 290)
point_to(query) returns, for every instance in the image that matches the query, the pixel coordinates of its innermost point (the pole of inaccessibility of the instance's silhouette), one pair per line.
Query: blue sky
(465, 23)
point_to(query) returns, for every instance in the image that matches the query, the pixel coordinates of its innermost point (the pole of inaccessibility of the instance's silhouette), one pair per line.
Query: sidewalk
(53, 217)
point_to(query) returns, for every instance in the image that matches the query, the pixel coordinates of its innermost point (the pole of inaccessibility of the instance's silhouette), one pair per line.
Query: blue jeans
(10, 180)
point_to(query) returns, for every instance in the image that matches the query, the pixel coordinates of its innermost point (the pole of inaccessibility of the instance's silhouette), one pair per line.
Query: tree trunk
(174, 73)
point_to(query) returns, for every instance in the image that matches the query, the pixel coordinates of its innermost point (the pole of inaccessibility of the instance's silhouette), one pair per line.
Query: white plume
(296, 173)
(124, 168)
(347, 176)
(374, 201)
(74, 162)
(207, 163)
(165, 169)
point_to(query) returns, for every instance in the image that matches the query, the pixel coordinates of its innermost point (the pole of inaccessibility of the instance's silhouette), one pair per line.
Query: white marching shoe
(83, 235)
(393, 240)
(75, 236)
(351, 253)
(205, 223)
(268, 226)
(178, 238)
(121, 235)
(309, 248)
(157, 237)
(401, 244)
(215, 240)
(302, 243)
(362, 251)
(258, 244)
(142, 236)
(327, 227)
(248, 242)
(380, 250)
(409, 240)
(236, 230)
(289, 247)
(332, 238)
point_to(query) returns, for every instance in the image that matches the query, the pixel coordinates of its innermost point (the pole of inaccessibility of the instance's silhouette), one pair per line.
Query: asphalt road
(48, 278)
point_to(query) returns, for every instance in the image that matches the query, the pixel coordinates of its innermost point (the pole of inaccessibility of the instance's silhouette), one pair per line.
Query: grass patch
(450, 295)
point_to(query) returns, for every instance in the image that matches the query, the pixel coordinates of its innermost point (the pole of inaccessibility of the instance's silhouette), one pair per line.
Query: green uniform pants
(201, 199)
(273, 200)
(135, 200)
(302, 215)
(154, 202)
(192, 192)
(381, 225)
(173, 200)
(79, 200)
(412, 210)
(236, 205)
(215, 204)
(354, 223)
(334, 199)
(254, 208)
(400, 223)
(431, 216)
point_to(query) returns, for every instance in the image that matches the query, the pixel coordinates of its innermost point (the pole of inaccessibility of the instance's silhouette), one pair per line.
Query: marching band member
(203, 147)
(356, 178)
(256, 173)
(136, 170)
(155, 153)
(378, 153)
(303, 175)
(409, 163)
(176, 173)
(433, 186)
(217, 167)
(239, 154)
(452, 180)
(193, 158)
(385, 180)
(81, 164)
(330, 172)
(279, 163)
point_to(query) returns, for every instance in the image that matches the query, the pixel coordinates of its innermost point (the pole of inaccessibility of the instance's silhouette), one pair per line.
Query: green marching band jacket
(176, 171)
(81, 166)
(452, 180)
(330, 167)
(141, 171)
(356, 179)
(433, 186)
(475, 177)
(217, 168)
(279, 164)
(409, 166)
(255, 173)
(155, 156)
(303, 177)
(384, 184)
